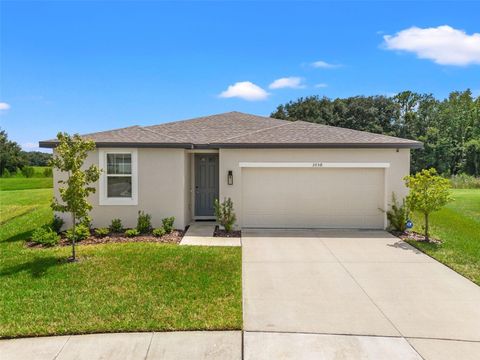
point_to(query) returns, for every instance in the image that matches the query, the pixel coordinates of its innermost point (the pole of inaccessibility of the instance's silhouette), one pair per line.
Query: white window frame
(102, 161)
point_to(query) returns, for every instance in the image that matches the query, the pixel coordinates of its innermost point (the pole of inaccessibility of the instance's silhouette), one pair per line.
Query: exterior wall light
(230, 177)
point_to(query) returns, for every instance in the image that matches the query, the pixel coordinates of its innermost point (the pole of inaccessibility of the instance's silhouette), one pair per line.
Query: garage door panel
(299, 197)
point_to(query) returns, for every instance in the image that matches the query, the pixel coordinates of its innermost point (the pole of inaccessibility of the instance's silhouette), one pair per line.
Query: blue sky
(90, 66)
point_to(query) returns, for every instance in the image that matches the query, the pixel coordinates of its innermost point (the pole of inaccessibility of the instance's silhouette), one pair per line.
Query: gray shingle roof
(235, 129)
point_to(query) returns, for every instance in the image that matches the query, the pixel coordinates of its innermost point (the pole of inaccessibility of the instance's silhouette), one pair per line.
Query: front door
(206, 183)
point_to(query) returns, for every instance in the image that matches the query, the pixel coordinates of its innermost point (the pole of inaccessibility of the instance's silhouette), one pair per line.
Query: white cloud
(4, 106)
(324, 65)
(293, 82)
(321, 85)
(444, 44)
(245, 90)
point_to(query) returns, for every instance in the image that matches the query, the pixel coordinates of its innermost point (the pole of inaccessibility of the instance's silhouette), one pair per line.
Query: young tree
(428, 193)
(70, 155)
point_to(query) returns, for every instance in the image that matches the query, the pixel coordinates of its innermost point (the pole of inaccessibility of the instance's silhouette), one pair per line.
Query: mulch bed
(222, 233)
(412, 235)
(173, 238)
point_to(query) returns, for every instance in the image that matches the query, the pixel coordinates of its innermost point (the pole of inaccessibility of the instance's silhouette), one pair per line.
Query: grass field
(115, 287)
(20, 183)
(458, 226)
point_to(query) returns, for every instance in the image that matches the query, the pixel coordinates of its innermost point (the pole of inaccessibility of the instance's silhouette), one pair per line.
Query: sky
(86, 66)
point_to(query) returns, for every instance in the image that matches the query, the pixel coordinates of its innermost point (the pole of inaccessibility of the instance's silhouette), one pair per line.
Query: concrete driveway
(335, 294)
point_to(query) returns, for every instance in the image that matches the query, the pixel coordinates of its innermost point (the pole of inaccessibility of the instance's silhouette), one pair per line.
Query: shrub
(132, 233)
(102, 232)
(81, 233)
(144, 224)
(168, 224)
(116, 226)
(6, 173)
(45, 236)
(225, 214)
(159, 232)
(57, 223)
(464, 181)
(86, 221)
(47, 172)
(28, 171)
(397, 215)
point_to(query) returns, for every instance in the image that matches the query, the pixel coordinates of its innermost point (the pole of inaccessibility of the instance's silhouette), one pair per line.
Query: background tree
(69, 158)
(10, 154)
(449, 128)
(37, 158)
(428, 193)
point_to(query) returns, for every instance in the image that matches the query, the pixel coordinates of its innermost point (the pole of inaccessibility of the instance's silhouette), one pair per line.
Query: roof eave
(418, 145)
(54, 144)
(413, 145)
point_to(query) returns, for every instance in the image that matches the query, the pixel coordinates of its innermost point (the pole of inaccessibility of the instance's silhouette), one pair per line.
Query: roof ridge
(256, 131)
(159, 133)
(191, 119)
(117, 129)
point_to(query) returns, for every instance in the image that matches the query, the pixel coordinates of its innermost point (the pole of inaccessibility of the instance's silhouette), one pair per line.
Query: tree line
(448, 128)
(13, 158)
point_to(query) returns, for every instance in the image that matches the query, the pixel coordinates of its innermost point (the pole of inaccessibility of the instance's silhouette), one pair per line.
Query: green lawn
(21, 183)
(115, 287)
(458, 226)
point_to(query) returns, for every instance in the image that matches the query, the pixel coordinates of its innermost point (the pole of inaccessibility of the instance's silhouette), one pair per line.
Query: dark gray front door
(206, 183)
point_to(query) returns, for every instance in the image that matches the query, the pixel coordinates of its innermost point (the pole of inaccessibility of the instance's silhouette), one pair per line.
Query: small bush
(225, 214)
(159, 232)
(102, 232)
(45, 236)
(86, 221)
(144, 224)
(132, 233)
(57, 223)
(464, 181)
(6, 173)
(47, 172)
(81, 233)
(168, 224)
(28, 171)
(397, 215)
(116, 226)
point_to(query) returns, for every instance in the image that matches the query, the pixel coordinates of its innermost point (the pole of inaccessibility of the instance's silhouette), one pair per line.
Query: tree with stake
(429, 192)
(70, 155)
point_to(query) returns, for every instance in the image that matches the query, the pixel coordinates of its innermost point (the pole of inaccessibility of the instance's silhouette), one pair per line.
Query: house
(278, 173)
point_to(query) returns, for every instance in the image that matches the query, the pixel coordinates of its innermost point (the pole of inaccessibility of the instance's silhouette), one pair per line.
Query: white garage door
(313, 197)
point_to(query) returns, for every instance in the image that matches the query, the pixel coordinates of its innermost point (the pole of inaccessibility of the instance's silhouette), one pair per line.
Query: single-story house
(278, 173)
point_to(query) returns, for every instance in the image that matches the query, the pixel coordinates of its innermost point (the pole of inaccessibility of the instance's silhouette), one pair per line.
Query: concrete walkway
(205, 345)
(344, 294)
(201, 234)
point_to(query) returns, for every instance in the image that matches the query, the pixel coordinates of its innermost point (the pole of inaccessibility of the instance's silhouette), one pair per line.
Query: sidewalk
(207, 345)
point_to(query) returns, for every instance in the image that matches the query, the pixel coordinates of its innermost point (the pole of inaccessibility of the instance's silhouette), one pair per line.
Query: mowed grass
(458, 227)
(115, 287)
(20, 183)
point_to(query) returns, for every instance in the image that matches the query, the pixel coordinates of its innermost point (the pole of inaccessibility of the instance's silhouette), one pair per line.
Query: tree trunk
(426, 227)
(74, 237)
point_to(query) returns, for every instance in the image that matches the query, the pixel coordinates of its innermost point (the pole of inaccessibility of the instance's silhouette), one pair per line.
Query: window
(118, 179)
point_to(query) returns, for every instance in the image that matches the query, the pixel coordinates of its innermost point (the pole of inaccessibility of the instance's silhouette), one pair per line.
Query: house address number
(317, 164)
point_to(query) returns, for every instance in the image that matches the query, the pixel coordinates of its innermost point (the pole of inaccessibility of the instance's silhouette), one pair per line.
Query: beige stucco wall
(162, 189)
(230, 159)
(166, 179)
